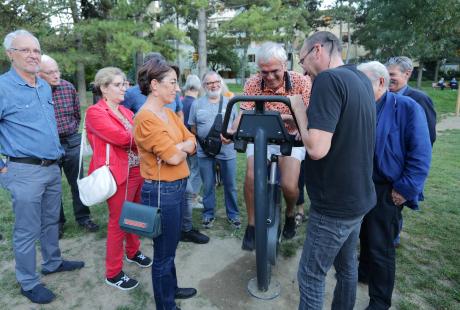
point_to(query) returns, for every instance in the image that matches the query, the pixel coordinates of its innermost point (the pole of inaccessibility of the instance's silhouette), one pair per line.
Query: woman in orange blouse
(163, 143)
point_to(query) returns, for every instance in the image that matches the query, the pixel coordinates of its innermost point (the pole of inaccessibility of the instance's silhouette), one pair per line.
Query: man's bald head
(49, 71)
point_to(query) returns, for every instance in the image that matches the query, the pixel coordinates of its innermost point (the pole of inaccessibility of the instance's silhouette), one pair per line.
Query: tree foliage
(422, 29)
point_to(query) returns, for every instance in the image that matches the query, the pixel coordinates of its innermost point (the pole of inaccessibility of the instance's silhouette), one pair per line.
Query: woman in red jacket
(108, 122)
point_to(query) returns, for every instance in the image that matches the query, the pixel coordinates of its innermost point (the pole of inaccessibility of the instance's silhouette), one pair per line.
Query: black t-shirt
(340, 184)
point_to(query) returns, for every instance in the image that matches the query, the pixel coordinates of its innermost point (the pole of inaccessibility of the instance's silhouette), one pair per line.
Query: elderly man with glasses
(201, 120)
(274, 79)
(67, 112)
(30, 140)
(401, 164)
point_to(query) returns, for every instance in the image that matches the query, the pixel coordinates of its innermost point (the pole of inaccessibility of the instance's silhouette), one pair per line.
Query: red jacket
(103, 126)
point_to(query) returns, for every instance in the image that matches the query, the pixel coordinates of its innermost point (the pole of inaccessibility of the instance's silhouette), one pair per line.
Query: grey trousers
(36, 196)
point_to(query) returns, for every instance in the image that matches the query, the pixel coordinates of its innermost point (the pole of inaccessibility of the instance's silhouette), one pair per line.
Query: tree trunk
(436, 71)
(457, 108)
(177, 43)
(244, 61)
(419, 76)
(348, 43)
(138, 63)
(202, 51)
(80, 70)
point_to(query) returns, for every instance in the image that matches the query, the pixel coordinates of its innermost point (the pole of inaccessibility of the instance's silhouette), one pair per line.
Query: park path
(219, 270)
(450, 122)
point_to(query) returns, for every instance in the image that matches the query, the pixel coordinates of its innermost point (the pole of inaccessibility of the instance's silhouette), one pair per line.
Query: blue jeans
(194, 180)
(164, 278)
(330, 241)
(193, 188)
(208, 175)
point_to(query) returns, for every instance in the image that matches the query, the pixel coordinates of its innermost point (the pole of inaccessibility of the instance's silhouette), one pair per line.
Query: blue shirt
(134, 100)
(187, 103)
(27, 122)
(202, 115)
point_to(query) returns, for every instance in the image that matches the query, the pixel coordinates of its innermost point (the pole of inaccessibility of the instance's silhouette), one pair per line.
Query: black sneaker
(235, 223)
(140, 259)
(122, 281)
(89, 225)
(289, 228)
(208, 222)
(248, 239)
(194, 236)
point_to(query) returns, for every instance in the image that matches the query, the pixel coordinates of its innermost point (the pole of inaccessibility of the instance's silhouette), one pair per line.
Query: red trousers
(116, 236)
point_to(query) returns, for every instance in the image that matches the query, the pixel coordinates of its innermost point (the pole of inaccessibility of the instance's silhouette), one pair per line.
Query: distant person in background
(189, 234)
(453, 83)
(442, 83)
(134, 99)
(67, 112)
(110, 123)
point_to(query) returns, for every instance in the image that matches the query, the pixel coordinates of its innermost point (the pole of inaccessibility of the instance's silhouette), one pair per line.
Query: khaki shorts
(297, 152)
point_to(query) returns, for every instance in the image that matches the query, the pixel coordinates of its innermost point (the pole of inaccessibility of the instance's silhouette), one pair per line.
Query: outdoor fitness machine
(263, 127)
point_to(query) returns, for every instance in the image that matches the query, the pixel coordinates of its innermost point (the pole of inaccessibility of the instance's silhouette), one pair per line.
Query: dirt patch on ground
(220, 271)
(450, 122)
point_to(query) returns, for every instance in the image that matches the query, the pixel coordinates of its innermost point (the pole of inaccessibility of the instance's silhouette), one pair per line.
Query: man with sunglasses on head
(274, 79)
(67, 112)
(338, 132)
(30, 140)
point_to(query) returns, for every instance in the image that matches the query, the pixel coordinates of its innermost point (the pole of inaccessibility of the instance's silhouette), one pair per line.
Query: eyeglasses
(121, 85)
(303, 58)
(267, 73)
(171, 82)
(51, 72)
(27, 51)
(211, 83)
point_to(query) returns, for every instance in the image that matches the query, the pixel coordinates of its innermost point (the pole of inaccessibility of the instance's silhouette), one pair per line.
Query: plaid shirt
(66, 108)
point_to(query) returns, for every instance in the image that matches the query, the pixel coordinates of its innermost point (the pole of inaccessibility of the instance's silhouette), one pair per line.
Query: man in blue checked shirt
(29, 139)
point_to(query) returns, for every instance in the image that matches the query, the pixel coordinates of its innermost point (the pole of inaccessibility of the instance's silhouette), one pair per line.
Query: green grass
(428, 264)
(444, 100)
(235, 88)
(428, 261)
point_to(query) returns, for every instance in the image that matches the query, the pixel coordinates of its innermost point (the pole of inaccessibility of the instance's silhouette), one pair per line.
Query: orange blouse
(157, 139)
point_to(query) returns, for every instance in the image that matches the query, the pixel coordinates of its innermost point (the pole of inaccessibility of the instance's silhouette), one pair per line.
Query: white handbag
(100, 184)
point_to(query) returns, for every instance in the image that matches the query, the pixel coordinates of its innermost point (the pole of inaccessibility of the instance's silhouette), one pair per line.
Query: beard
(213, 94)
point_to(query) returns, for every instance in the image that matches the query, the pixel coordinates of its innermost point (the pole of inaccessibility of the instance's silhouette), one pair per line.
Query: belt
(34, 161)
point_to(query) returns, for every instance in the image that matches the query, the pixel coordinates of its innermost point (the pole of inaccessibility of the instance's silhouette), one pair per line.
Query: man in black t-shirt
(338, 132)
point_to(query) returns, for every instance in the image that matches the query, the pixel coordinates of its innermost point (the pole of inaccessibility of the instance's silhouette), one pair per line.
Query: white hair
(404, 63)
(374, 71)
(9, 38)
(46, 58)
(271, 50)
(192, 83)
(205, 77)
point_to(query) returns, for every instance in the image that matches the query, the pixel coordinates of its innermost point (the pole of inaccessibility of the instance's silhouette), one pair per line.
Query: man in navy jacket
(401, 164)
(400, 69)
